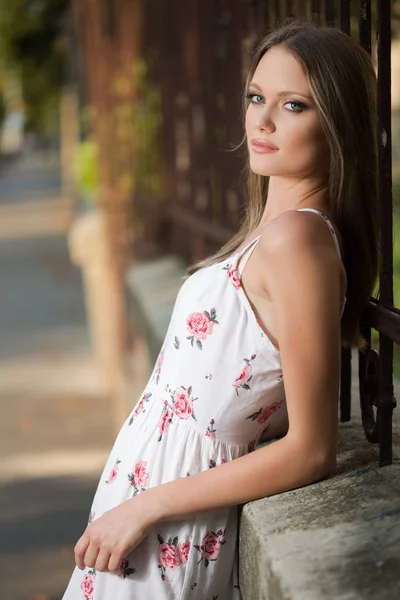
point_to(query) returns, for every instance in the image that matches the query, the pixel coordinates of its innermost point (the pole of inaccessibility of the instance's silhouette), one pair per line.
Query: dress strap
(245, 254)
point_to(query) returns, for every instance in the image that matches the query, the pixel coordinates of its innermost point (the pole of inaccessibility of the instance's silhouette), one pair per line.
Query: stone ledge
(338, 539)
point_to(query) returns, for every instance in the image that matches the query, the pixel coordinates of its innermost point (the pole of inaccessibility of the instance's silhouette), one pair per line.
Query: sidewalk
(55, 429)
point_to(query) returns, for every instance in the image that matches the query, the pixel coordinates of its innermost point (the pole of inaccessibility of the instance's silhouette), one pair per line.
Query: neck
(284, 195)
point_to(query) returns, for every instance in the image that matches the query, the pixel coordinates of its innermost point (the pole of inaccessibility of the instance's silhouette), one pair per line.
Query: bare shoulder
(301, 247)
(294, 231)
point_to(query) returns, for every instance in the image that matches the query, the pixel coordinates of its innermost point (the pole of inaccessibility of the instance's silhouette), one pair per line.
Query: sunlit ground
(55, 430)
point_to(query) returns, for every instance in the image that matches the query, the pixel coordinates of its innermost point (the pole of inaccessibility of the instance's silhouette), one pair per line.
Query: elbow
(315, 463)
(323, 467)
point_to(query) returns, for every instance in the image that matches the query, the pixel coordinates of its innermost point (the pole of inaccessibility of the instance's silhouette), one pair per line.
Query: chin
(262, 167)
(258, 170)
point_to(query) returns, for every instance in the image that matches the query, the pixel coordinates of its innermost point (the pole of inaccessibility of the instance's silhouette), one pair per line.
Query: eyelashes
(301, 106)
(250, 96)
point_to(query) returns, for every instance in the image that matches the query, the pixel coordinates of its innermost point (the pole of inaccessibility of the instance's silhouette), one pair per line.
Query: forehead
(283, 69)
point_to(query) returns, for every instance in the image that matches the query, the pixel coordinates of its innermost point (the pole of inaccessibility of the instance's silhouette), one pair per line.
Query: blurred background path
(55, 429)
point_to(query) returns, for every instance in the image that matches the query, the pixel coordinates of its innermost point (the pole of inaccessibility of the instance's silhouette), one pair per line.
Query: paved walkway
(55, 424)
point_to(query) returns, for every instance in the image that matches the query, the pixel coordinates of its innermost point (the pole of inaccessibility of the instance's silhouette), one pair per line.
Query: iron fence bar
(345, 386)
(383, 319)
(367, 359)
(386, 401)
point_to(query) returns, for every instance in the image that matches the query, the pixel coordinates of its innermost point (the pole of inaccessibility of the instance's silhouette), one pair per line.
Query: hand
(110, 538)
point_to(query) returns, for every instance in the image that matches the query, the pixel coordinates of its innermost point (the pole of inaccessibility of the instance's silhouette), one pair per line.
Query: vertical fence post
(386, 401)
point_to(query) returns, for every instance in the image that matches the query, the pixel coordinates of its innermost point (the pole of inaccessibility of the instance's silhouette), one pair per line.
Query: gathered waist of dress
(160, 422)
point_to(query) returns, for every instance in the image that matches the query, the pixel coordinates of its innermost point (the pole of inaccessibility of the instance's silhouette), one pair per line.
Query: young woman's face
(281, 112)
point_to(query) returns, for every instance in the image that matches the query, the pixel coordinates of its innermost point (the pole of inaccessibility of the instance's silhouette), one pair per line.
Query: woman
(253, 346)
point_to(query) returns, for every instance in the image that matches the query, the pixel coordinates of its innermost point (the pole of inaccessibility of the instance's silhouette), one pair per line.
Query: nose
(264, 119)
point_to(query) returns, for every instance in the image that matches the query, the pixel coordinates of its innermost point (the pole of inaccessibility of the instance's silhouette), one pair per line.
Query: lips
(259, 144)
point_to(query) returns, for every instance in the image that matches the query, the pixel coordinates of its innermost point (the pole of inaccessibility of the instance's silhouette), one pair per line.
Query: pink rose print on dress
(262, 415)
(87, 585)
(114, 472)
(139, 478)
(139, 408)
(211, 430)
(159, 364)
(183, 403)
(171, 554)
(126, 569)
(243, 380)
(166, 419)
(200, 325)
(233, 276)
(211, 546)
(184, 550)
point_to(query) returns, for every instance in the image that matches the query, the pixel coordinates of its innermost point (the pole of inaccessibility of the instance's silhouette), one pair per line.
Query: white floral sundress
(216, 387)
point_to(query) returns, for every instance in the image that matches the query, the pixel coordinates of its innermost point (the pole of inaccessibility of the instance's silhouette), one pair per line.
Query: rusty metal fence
(187, 196)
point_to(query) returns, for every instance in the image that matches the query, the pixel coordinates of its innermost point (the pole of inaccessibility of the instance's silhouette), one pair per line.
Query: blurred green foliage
(86, 170)
(30, 37)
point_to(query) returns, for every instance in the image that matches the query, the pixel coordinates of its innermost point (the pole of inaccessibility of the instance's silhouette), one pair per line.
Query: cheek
(304, 138)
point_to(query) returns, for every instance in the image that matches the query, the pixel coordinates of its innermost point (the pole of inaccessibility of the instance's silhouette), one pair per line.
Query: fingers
(116, 561)
(102, 560)
(91, 555)
(80, 550)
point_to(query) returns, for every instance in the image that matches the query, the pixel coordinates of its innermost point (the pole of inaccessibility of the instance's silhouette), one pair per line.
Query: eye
(300, 106)
(252, 97)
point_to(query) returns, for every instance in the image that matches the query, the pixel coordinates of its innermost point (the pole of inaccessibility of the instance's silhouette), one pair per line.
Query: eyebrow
(284, 93)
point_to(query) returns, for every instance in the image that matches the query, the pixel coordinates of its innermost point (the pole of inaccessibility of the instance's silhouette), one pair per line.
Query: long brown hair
(343, 86)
